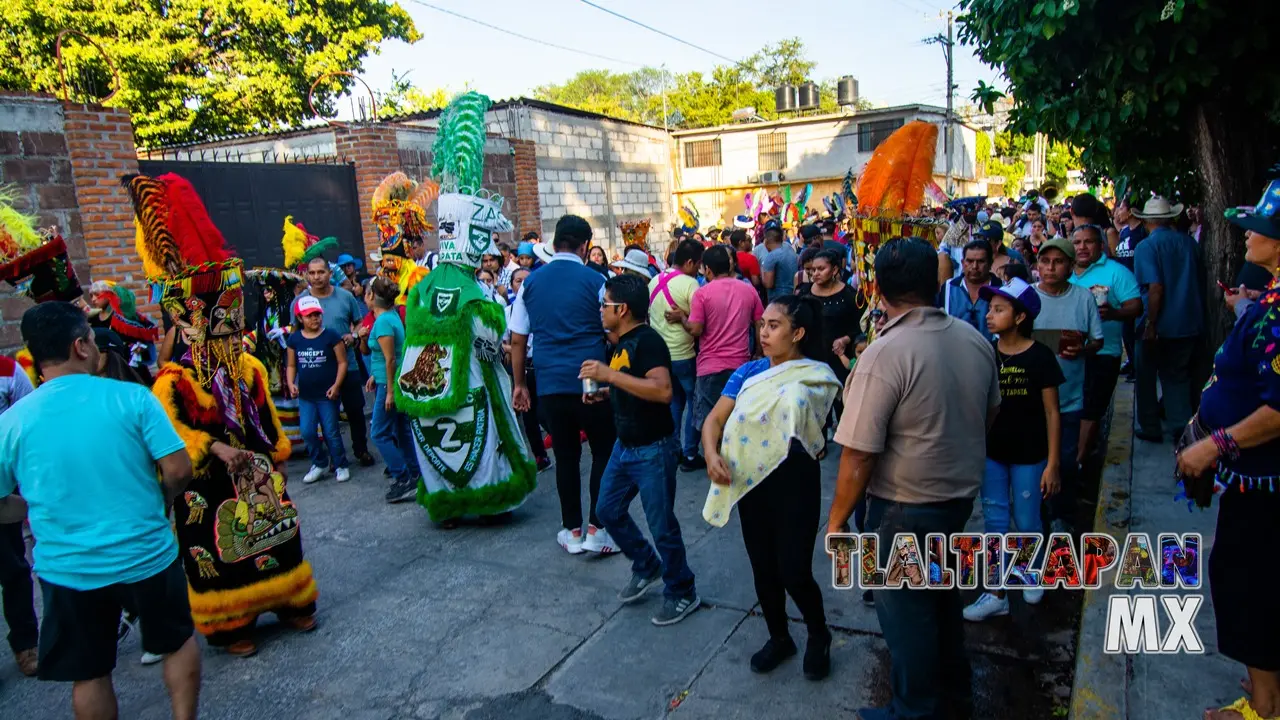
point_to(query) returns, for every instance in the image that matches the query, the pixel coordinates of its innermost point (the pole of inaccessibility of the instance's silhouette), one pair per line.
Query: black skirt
(1244, 589)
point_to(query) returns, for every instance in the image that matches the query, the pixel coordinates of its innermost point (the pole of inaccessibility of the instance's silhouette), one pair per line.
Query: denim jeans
(1017, 485)
(1063, 505)
(325, 414)
(929, 671)
(650, 472)
(391, 437)
(684, 376)
(1169, 361)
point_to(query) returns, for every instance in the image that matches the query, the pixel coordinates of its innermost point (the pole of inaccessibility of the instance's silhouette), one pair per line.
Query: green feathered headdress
(459, 146)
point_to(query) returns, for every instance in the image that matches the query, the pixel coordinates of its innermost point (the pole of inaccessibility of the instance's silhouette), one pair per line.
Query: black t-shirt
(640, 422)
(840, 317)
(1019, 435)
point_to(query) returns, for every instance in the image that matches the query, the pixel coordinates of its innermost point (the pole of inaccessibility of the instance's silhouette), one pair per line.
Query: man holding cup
(1069, 323)
(1115, 291)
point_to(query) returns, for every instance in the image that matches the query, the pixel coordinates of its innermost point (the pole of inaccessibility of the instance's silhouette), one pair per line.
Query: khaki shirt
(919, 398)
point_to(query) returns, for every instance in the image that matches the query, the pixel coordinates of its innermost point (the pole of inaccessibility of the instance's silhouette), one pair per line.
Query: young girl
(761, 441)
(384, 342)
(1023, 443)
(317, 366)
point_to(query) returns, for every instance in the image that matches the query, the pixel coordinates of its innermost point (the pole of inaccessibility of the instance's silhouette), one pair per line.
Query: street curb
(1100, 687)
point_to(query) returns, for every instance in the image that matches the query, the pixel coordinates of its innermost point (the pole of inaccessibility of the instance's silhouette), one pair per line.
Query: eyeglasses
(604, 305)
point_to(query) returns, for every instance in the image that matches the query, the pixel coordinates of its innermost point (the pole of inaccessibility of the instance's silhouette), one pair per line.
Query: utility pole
(948, 44)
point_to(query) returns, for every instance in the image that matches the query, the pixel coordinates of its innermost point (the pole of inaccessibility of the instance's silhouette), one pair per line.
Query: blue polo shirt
(1121, 286)
(1172, 259)
(954, 300)
(559, 304)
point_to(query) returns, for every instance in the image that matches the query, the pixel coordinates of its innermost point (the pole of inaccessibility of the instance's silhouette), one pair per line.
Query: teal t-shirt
(1121, 286)
(387, 325)
(82, 450)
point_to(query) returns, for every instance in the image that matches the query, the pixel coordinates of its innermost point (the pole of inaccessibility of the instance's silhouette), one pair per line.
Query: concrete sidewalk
(1137, 495)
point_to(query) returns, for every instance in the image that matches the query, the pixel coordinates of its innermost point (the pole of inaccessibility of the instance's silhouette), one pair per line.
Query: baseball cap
(809, 232)
(1059, 243)
(991, 230)
(772, 224)
(525, 249)
(308, 305)
(983, 216)
(1023, 296)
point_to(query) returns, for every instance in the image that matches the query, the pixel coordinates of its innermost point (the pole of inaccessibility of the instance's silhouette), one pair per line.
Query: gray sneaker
(402, 490)
(676, 609)
(637, 586)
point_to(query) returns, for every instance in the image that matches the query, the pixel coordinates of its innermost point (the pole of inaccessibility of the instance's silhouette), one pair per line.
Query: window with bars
(871, 134)
(772, 151)
(702, 153)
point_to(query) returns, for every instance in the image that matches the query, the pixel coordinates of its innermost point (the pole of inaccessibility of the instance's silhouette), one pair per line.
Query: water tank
(847, 90)
(808, 96)
(785, 99)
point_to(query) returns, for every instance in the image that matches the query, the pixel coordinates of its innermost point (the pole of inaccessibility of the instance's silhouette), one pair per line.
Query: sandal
(301, 624)
(1241, 707)
(242, 648)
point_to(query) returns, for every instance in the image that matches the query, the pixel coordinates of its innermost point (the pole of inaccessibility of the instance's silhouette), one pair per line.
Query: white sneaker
(986, 606)
(151, 658)
(570, 540)
(1033, 596)
(598, 541)
(314, 474)
(343, 474)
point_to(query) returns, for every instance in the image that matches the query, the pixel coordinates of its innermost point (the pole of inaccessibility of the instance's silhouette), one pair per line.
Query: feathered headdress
(688, 216)
(469, 214)
(400, 211)
(126, 321)
(300, 246)
(635, 233)
(33, 260)
(893, 182)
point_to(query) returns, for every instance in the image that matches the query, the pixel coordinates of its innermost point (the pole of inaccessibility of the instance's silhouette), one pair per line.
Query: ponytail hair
(804, 312)
(385, 292)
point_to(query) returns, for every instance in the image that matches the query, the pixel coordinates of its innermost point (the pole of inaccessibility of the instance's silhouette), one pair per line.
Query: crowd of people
(746, 353)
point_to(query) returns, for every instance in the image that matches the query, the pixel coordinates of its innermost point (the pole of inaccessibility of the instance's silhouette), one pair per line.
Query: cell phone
(1227, 290)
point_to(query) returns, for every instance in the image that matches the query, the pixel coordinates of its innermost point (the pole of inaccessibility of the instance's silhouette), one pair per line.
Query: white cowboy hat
(543, 252)
(376, 257)
(635, 260)
(1158, 208)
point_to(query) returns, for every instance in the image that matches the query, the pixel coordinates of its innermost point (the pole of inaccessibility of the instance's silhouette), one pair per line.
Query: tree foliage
(694, 99)
(193, 70)
(1123, 80)
(405, 98)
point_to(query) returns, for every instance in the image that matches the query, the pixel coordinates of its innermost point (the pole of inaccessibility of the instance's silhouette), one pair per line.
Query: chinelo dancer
(237, 529)
(471, 449)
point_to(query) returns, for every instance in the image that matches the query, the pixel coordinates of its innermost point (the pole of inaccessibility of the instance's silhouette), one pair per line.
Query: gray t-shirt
(783, 263)
(1073, 310)
(341, 311)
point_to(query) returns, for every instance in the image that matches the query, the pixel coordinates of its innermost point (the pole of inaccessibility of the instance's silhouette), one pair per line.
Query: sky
(876, 41)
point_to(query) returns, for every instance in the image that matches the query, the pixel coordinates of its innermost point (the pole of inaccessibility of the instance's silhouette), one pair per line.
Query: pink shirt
(728, 309)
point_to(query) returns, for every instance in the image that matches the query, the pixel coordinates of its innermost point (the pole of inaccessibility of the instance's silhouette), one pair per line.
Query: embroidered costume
(237, 532)
(34, 261)
(452, 384)
(266, 341)
(400, 213)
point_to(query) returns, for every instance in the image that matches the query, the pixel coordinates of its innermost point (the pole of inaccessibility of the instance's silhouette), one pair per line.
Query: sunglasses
(604, 305)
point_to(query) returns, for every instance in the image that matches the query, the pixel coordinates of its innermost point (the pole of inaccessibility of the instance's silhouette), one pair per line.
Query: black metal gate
(248, 202)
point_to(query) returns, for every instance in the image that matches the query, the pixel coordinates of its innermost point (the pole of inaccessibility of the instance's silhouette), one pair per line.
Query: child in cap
(317, 366)
(1023, 445)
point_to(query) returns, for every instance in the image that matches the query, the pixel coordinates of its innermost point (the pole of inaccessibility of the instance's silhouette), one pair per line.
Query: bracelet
(1227, 447)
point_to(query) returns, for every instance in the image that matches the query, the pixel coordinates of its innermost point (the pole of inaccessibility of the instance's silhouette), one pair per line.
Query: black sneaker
(817, 656)
(772, 654)
(868, 599)
(676, 609)
(693, 463)
(544, 463)
(636, 587)
(365, 459)
(402, 490)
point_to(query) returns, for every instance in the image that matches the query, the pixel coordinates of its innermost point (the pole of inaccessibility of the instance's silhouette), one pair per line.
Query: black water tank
(847, 90)
(785, 99)
(808, 96)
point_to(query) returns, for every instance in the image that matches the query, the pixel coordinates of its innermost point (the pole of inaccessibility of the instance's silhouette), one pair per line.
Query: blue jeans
(325, 414)
(650, 472)
(1019, 485)
(684, 375)
(390, 429)
(930, 673)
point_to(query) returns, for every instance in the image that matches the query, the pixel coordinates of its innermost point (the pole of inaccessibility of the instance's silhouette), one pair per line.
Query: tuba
(1049, 191)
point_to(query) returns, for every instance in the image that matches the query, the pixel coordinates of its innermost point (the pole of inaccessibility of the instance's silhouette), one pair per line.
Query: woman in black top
(841, 315)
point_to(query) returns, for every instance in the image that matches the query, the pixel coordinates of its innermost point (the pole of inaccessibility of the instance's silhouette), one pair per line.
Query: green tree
(405, 98)
(1166, 96)
(196, 70)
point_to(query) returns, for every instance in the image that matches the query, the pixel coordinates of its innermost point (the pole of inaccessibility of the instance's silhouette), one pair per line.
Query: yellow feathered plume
(17, 231)
(294, 242)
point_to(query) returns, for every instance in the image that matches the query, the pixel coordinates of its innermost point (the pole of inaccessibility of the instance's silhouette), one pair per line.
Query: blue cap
(1023, 296)
(525, 249)
(772, 224)
(345, 258)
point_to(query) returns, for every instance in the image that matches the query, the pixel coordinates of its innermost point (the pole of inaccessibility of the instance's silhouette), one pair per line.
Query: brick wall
(526, 187)
(102, 150)
(36, 164)
(373, 149)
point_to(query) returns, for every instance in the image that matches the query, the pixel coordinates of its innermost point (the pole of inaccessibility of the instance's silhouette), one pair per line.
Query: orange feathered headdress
(892, 184)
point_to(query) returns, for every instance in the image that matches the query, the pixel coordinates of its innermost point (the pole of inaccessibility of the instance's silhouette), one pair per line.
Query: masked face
(227, 317)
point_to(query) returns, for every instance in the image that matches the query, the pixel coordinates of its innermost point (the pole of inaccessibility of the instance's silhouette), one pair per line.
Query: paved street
(498, 622)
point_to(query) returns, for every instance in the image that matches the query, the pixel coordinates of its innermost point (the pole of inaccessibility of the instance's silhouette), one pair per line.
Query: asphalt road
(498, 622)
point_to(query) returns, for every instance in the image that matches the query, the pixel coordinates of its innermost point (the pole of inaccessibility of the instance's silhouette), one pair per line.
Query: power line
(523, 37)
(660, 32)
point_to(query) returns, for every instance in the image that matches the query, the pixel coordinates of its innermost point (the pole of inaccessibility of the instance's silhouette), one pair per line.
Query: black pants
(566, 417)
(532, 430)
(352, 396)
(779, 528)
(17, 588)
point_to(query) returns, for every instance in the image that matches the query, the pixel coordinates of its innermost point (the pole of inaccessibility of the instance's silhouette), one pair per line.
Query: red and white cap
(307, 305)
